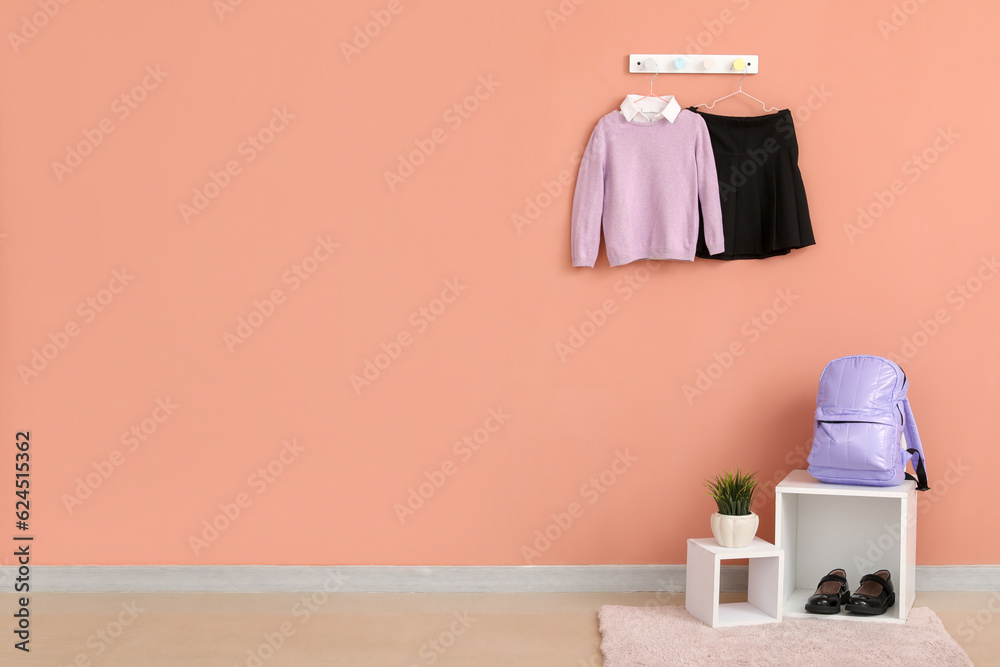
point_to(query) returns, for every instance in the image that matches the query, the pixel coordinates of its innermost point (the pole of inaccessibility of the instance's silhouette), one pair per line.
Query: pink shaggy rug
(655, 636)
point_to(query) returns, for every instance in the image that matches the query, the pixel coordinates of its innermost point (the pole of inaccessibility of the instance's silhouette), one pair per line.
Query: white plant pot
(734, 532)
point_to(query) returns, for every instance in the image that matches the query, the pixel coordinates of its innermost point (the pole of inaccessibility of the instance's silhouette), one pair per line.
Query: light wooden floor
(367, 629)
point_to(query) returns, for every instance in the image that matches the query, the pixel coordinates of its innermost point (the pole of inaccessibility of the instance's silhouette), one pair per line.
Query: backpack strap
(915, 448)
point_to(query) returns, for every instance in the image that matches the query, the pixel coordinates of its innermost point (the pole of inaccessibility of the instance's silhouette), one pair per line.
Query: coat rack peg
(692, 63)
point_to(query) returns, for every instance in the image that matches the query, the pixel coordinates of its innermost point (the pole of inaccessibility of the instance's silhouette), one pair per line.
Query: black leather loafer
(874, 596)
(830, 594)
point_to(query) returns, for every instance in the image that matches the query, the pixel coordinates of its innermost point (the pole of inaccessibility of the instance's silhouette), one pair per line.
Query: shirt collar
(630, 109)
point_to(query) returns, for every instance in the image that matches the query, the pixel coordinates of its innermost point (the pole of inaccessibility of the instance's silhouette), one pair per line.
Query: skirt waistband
(734, 135)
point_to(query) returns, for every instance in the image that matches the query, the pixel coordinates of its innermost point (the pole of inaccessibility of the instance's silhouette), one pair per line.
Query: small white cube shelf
(862, 529)
(701, 599)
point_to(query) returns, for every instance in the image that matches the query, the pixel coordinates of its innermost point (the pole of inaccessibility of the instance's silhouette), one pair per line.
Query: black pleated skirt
(764, 207)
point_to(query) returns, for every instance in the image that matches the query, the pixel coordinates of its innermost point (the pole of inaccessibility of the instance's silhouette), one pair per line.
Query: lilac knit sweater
(644, 181)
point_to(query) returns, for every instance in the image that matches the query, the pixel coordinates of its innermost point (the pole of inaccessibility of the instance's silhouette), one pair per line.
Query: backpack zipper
(848, 421)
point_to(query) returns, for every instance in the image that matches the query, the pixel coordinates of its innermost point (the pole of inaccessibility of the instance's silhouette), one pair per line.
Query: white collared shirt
(646, 110)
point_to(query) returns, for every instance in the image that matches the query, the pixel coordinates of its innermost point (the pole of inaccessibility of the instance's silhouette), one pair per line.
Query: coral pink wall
(203, 248)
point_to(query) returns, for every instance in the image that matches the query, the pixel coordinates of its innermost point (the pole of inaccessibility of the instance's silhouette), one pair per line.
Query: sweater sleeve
(588, 202)
(708, 191)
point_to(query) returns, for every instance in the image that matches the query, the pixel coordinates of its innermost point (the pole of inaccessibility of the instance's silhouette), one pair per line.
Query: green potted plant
(734, 525)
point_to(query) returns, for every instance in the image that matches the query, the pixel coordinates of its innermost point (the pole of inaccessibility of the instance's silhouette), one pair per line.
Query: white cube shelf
(861, 529)
(764, 598)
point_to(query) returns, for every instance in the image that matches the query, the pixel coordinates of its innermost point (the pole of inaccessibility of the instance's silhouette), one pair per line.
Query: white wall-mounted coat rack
(687, 63)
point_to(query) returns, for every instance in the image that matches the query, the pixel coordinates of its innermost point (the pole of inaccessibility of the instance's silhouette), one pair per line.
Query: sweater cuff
(584, 262)
(715, 248)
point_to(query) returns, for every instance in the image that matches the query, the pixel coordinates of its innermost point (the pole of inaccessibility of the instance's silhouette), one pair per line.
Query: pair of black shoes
(873, 597)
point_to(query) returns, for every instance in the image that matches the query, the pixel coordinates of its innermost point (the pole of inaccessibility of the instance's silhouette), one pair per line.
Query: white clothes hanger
(659, 103)
(738, 92)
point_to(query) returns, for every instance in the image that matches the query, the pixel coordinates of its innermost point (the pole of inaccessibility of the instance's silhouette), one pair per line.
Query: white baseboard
(958, 578)
(429, 579)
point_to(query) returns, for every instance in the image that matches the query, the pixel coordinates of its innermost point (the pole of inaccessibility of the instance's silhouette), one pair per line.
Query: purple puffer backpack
(861, 412)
